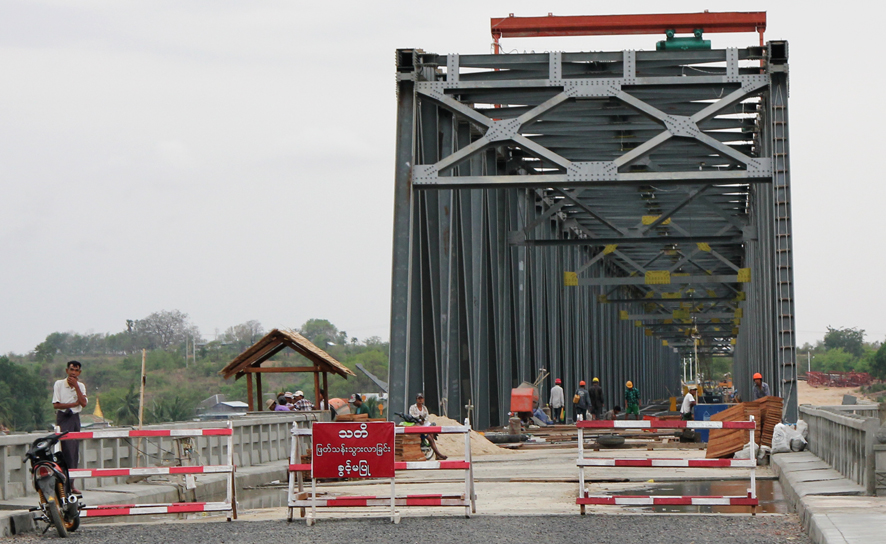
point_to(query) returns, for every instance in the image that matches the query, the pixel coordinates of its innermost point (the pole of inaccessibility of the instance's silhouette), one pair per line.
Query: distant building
(217, 407)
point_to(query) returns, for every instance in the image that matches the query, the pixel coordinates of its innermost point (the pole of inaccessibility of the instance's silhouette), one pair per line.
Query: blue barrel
(703, 412)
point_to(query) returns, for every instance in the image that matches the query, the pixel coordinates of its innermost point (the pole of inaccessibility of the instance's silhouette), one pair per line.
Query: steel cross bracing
(594, 214)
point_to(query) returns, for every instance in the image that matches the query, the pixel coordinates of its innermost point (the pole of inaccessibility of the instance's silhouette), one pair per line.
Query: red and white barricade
(321, 461)
(229, 505)
(585, 498)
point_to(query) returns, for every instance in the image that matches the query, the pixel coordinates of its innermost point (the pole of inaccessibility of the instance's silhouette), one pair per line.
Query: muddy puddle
(769, 493)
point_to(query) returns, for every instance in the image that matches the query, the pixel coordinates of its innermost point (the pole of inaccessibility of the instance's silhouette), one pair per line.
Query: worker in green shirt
(359, 407)
(632, 401)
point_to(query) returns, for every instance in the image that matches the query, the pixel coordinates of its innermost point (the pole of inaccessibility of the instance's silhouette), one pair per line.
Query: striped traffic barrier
(688, 463)
(299, 498)
(229, 505)
(585, 498)
(664, 424)
(650, 500)
(143, 509)
(148, 433)
(148, 471)
(407, 500)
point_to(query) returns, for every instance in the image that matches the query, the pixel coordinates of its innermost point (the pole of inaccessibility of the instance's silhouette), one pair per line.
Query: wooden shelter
(250, 362)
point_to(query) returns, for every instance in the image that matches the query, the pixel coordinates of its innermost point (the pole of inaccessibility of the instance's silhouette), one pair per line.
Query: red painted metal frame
(613, 25)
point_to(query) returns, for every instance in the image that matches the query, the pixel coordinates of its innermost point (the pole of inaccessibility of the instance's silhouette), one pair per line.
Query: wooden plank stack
(351, 417)
(723, 443)
(771, 407)
(407, 447)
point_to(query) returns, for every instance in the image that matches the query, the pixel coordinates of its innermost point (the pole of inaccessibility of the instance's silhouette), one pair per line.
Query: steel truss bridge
(609, 214)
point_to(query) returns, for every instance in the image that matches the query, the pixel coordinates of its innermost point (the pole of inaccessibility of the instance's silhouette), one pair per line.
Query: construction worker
(761, 388)
(612, 414)
(688, 404)
(558, 402)
(581, 401)
(632, 401)
(596, 393)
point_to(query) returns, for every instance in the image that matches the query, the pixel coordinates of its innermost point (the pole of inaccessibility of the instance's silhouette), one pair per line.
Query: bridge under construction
(618, 214)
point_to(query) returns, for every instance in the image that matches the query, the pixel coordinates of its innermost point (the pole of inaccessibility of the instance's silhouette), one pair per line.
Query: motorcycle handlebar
(407, 418)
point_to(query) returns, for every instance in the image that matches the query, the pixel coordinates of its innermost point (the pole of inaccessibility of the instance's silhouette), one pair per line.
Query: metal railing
(258, 439)
(844, 440)
(869, 410)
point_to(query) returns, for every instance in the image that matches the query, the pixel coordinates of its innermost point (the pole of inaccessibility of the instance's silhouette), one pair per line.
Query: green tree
(878, 366)
(850, 340)
(127, 412)
(24, 397)
(174, 408)
(54, 344)
(834, 360)
(322, 333)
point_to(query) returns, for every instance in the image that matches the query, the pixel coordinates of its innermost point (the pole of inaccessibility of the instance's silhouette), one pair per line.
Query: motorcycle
(50, 479)
(410, 421)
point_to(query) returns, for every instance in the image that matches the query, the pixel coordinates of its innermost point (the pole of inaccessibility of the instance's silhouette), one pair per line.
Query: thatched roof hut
(250, 362)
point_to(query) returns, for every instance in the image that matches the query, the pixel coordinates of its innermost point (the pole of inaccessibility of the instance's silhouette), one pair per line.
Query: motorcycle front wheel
(427, 451)
(56, 516)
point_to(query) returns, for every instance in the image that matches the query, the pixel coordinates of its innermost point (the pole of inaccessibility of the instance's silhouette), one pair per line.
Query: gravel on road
(606, 528)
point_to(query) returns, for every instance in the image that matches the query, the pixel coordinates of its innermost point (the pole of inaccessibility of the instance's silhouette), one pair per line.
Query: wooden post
(249, 392)
(326, 390)
(141, 410)
(317, 387)
(261, 398)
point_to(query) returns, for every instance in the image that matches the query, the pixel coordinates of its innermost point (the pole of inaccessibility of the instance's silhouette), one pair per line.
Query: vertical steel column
(781, 186)
(401, 299)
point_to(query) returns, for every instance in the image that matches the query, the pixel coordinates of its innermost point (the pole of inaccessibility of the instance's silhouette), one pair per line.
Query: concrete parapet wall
(258, 439)
(843, 440)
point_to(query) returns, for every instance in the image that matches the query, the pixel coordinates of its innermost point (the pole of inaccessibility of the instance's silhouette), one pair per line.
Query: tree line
(844, 350)
(182, 369)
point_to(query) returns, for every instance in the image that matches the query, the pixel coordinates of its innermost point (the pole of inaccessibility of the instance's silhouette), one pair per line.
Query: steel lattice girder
(538, 194)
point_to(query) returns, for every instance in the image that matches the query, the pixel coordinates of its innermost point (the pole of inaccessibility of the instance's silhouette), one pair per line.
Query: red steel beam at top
(608, 25)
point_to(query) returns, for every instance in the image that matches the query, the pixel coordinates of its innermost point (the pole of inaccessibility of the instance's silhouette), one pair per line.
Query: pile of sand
(453, 445)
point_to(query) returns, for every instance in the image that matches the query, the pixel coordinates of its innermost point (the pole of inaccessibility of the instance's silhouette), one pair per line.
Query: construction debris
(838, 379)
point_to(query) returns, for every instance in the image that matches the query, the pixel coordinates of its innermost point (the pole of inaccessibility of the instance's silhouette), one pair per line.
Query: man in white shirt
(420, 412)
(558, 402)
(688, 404)
(68, 399)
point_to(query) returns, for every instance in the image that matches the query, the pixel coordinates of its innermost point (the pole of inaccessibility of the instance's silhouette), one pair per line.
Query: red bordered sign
(353, 450)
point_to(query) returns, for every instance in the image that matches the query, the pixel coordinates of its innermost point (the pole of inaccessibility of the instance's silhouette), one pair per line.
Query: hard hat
(581, 382)
(629, 384)
(596, 380)
(758, 376)
(557, 381)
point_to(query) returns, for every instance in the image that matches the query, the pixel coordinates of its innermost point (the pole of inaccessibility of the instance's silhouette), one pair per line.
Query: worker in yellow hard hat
(596, 393)
(632, 401)
(761, 388)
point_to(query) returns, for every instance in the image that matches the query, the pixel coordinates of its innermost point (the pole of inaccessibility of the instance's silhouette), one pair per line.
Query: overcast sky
(234, 160)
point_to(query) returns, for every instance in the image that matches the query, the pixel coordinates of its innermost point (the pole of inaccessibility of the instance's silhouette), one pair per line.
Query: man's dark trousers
(69, 421)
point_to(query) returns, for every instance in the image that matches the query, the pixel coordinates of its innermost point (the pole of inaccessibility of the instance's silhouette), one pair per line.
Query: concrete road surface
(573, 529)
